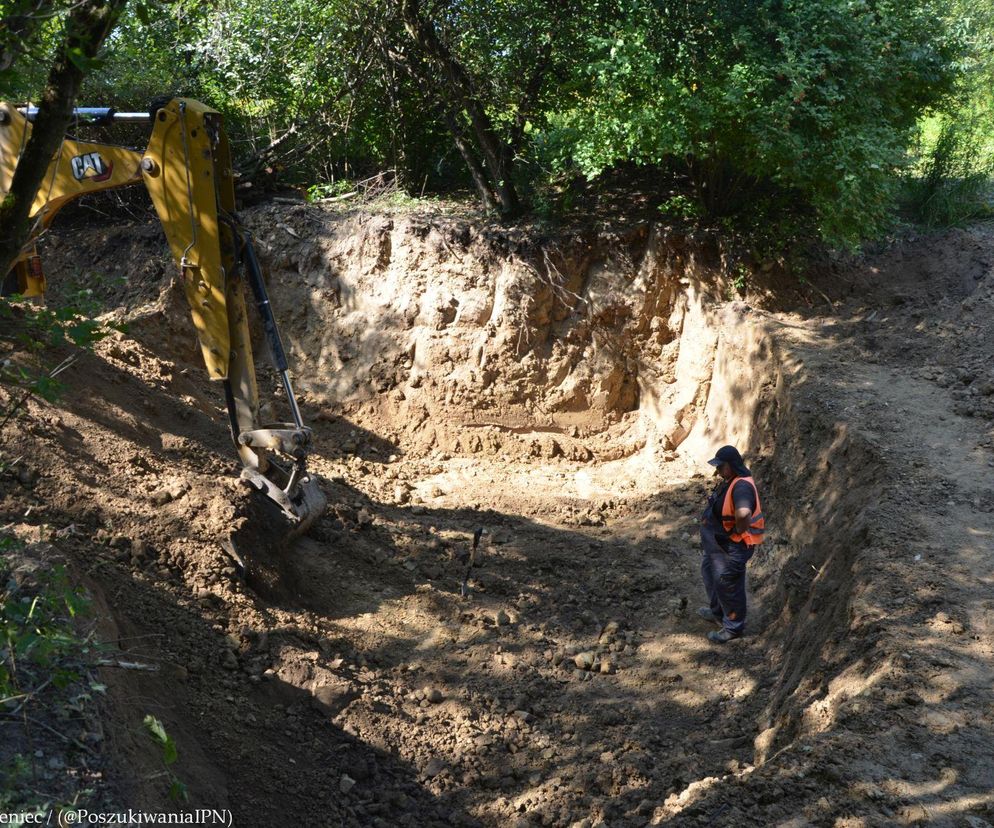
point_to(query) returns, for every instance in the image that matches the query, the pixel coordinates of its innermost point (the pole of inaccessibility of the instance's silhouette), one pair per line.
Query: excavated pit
(562, 393)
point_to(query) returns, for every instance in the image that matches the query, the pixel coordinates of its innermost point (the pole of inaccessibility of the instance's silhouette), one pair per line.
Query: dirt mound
(563, 395)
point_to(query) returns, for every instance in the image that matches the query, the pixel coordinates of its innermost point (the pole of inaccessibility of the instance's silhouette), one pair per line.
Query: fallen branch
(58, 369)
(129, 665)
(823, 295)
(338, 197)
(27, 697)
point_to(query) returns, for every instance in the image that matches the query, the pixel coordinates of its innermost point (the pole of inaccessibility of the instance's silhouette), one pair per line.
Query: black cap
(730, 455)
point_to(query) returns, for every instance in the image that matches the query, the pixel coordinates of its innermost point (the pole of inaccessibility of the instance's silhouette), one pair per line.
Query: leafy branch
(155, 728)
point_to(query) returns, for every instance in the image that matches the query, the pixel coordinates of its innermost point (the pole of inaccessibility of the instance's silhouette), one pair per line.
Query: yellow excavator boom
(187, 171)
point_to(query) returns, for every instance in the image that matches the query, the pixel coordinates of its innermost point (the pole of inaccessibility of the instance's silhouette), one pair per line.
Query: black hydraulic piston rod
(269, 325)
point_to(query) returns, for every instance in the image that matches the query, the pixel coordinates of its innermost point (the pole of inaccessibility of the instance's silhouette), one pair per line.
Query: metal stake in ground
(468, 558)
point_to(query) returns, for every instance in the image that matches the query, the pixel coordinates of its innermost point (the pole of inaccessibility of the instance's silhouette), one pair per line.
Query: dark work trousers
(723, 565)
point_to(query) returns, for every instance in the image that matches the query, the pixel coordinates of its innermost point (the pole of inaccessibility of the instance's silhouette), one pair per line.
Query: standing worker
(732, 525)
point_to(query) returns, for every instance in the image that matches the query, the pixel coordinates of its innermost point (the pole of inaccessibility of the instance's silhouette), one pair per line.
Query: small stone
(434, 767)
(160, 497)
(584, 661)
(502, 618)
(27, 476)
(608, 667)
(346, 783)
(230, 661)
(435, 696)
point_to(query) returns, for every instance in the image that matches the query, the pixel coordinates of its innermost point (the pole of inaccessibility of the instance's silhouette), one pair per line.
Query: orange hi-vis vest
(757, 524)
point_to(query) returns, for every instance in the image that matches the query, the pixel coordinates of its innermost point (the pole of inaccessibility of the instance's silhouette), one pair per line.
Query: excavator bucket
(292, 488)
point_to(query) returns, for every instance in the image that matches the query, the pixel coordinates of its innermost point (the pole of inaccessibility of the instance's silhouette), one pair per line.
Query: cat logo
(83, 164)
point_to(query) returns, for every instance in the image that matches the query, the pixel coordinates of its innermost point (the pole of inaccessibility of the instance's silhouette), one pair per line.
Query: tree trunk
(476, 170)
(458, 95)
(87, 27)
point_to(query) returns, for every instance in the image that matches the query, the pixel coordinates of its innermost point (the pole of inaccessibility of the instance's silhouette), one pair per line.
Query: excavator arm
(187, 172)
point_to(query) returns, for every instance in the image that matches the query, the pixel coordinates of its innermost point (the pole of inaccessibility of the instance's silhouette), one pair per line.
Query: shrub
(954, 181)
(795, 111)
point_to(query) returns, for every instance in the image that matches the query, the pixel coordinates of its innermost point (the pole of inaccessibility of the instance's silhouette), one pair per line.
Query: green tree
(21, 22)
(800, 110)
(778, 117)
(87, 24)
(151, 52)
(491, 68)
(952, 177)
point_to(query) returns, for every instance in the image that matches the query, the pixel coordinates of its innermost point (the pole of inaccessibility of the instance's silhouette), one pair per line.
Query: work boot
(707, 615)
(722, 636)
